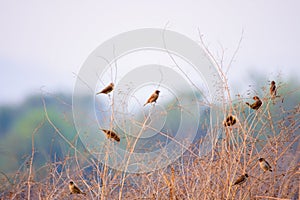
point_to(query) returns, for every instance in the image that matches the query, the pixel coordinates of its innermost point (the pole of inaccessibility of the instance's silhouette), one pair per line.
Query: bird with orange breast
(153, 97)
(107, 89)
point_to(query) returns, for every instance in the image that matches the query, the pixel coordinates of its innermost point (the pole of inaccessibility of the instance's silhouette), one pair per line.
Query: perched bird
(111, 134)
(264, 165)
(241, 179)
(107, 89)
(256, 105)
(74, 189)
(230, 120)
(153, 97)
(273, 90)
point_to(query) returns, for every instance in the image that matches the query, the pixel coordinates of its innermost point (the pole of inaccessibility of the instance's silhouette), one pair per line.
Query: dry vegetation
(190, 177)
(269, 133)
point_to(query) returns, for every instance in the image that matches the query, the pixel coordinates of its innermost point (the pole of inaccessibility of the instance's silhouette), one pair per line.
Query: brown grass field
(272, 132)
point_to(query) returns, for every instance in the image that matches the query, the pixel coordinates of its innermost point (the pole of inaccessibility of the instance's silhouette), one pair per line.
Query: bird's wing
(107, 89)
(153, 96)
(239, 180)
(150, 99)
(76, 189)
(256, 104)
(269, 166)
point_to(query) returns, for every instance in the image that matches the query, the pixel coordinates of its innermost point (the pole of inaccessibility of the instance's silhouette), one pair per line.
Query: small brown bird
(273, 90)
(153, 97)
(256, 105)
(241, 179)
(111, 134)
(107, 89)
(230, 120)
(74, 189)
(264, 165)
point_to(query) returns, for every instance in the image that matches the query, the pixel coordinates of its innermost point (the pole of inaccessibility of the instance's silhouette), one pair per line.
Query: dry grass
(271, 132)
(263, 133)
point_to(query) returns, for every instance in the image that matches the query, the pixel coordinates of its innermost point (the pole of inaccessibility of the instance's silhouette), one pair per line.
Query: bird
(153, 97)
(241, 179)
(264, 165)
(230, 120)
(256, 105)
(107, 89)
(273, 90)
(74, 189)
(111, 134)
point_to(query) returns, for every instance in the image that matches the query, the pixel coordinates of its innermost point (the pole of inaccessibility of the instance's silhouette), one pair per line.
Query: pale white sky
(43, 42)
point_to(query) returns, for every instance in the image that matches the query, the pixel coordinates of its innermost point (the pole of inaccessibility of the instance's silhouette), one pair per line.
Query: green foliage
(18, 140)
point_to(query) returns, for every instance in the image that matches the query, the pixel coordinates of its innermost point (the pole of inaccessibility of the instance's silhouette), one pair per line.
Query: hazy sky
(43, 42)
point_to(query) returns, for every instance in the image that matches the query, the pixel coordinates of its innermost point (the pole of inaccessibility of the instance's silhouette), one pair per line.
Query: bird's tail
(145, 104)
(248, 103)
